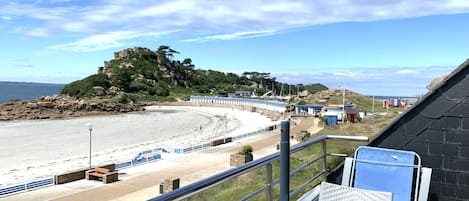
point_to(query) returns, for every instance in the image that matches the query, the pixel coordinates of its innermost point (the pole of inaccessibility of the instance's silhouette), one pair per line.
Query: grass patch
(367, 127)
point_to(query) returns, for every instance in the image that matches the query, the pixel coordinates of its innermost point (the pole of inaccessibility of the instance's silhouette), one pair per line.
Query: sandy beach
(41, 148)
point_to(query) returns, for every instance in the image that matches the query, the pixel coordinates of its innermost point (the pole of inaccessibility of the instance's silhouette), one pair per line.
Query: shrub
(186, 98)
(127, 98)
(160, 89)
(203, 89)
(246, 150)
(152, 91)
(302, 102)
(122, 78)
(323, 119)
(84, 87)
(136, 86)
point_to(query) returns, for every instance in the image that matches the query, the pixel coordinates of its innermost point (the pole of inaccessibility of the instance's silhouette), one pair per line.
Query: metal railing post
(285, 162)
(215, 180)
(269, 196)
(324, 160)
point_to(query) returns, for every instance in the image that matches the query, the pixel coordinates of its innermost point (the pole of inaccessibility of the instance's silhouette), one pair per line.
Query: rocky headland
(54, 107)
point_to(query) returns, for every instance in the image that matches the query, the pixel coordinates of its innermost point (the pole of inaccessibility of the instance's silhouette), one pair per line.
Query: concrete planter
(239, 159)
(248, 158)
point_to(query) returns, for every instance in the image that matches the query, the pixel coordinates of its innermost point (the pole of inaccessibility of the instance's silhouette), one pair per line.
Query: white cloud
(5, 18)
(407, 71)
(167, 8)
(38, 32)
(104, 41)
(377, 81)
(231, 36)
(210, 20)
(345, 74)
(75, 27)
(284, 7)
(23, 65)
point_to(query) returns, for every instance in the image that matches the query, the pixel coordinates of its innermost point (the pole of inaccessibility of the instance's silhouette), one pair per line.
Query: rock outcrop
(53, 107)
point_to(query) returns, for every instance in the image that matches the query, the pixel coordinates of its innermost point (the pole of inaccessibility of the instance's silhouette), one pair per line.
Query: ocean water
(27, 91)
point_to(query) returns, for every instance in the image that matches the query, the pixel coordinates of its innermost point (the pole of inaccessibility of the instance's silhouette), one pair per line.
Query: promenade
(142, 182)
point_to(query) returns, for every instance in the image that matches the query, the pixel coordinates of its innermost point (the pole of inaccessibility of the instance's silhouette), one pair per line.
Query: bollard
(285, 161)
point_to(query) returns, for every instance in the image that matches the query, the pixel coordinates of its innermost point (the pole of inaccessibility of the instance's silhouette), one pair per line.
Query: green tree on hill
(84, 88)
(142, 73)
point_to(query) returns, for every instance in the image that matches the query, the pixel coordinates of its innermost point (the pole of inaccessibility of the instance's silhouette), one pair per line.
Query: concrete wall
(78, 174)
(237, 159)
(70, 176)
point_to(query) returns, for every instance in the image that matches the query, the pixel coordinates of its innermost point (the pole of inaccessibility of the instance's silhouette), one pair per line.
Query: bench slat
(102, 170)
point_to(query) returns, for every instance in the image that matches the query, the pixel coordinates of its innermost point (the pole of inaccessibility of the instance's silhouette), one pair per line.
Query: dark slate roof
(437, 128)
(452, 90)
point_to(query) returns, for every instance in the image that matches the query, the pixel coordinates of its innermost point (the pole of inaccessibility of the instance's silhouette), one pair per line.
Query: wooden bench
(106, 175)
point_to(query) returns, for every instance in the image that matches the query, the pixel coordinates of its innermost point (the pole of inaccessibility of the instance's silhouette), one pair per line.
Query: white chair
(388, 170)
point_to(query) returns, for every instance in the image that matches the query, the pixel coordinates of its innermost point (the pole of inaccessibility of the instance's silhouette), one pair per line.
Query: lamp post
(90, 128)
(343, 104)
(225, 130)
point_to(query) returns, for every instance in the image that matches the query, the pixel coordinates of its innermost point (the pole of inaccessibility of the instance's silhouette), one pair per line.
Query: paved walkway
(142, 182)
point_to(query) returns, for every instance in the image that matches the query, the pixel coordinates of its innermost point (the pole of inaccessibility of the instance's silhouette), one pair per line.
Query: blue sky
(372, 46)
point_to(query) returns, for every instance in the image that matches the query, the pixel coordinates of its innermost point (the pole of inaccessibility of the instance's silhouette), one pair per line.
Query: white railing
(258, 103)
(27, 186)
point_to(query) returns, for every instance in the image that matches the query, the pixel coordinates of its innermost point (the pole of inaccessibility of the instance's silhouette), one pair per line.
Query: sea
(27, 90)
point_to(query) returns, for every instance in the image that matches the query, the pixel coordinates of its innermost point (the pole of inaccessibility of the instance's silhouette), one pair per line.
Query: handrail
(206, 183)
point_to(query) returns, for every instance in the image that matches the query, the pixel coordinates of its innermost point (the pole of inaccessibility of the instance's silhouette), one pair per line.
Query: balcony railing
(285, 173)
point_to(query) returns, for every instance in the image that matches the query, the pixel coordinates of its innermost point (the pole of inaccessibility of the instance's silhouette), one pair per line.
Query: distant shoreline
(38, 83)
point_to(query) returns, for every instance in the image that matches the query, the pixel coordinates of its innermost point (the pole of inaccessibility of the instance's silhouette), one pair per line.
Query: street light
(90, 128)
(225, 130)
(343, 104)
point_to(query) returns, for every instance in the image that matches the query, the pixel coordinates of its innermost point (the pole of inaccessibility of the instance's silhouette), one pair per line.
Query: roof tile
(461, 110)
(446, 123)
(431, 135)
(434, 162)
(448, 150)
(438, 106)
(456, 91)
(465, 123)
(459, 164)
(457, 137)
(464, 152)
(412, 128)
(463, 178)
